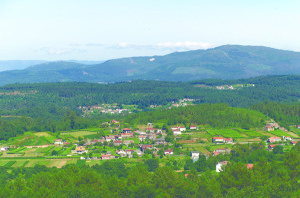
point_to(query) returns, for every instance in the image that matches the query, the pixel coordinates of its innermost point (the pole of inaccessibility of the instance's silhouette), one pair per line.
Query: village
(132, 143)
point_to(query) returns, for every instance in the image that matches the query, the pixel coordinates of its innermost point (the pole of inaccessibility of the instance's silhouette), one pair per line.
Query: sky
(102, 30)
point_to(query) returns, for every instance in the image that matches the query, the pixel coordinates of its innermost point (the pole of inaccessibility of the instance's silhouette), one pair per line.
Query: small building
(193, 127)
(97, 141)
(58, 142)
(126, 130)
(152, 136)
(150, 125)
(161, 140)
(145, 147)
(286, 138)
(181, 128)
(274, 139)
(80, 150)
(117, 142)
(121, 153)
(139, 152)
(215, 153)
(268, 128)
(126, 135)
(150, 130)
(129, 151)
(270, 147)
(109, 138)
(4, 148)
(127, 142)
(174, 128)
(142, 138)
(220, 165)
(249, 166)
(106, 157)
(217, 140)
(223, 150)
(195, 154)
(228, 140)
(294, 142)
(114, 121)
(177, 132)
(168, 152)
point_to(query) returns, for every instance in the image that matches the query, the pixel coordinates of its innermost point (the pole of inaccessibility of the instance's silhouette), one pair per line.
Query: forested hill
(215, 115)
(224, 62)
(52, 99)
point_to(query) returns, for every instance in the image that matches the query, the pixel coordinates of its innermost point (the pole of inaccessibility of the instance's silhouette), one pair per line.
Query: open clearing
(79, 133)
(45, 134)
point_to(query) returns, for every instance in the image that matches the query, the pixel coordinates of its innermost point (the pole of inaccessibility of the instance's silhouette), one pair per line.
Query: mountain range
(224, 62)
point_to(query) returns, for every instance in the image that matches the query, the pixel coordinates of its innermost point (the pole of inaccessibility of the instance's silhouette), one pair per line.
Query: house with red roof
(268, 128)
(114, 121)
(168, 152)
(106, 157)
(228, 140)
(150, 130)
(215, 153)
(177, 132)
(126, 130)
(193, 127)
(142, 138)
(126, 135)
(270, 147)
(117, 142)
(274, 139)
(249, 166)
(294, 142)
(217, 140)
(144, 147)
(182, 128)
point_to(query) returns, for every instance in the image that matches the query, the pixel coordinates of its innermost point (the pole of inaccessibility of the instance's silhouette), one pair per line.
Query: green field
(233, 133)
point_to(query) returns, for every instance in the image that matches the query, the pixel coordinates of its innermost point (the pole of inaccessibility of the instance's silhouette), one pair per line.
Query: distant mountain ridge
(224, 62)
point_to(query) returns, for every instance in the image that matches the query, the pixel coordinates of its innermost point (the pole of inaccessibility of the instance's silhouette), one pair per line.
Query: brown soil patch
(187, 141)
(62, 163)
(292, 134)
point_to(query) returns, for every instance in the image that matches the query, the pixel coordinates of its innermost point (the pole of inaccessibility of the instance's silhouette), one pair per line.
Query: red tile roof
(249, 166)
(218, 138)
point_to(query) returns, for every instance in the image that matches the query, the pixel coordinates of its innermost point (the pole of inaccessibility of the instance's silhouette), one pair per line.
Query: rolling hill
(224, 62)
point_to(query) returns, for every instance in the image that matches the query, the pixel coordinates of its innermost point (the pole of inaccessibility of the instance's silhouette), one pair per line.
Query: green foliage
(152, 164)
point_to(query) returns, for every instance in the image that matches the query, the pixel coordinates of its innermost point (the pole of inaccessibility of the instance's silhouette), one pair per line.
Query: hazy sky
(101, 30)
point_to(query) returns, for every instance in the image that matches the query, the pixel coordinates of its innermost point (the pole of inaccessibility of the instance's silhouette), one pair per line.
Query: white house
(168, 152)
(274, 139)
(220, 165)
(195, 154)
(192, 127)
(177, 132)
(4, 148)
(217, 140)
(182, 128)
(58, 142)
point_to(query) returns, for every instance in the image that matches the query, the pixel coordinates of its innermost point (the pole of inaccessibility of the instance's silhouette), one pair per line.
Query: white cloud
(60, 51)
(187, 45)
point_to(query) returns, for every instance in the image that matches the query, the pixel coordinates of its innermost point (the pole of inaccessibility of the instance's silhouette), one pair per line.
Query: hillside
(224, 62)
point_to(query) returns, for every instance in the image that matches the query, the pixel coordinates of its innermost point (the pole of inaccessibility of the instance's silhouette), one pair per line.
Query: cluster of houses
(178, 130)
(279, 139)
(272, 126)
(4, 148)
(104, 108)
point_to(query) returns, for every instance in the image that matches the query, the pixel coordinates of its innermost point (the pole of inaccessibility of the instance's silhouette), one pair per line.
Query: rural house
(220, 165)
(168, 152)
(274, 139)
